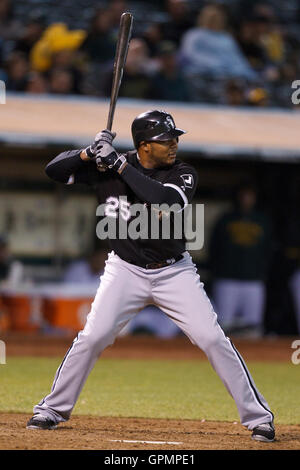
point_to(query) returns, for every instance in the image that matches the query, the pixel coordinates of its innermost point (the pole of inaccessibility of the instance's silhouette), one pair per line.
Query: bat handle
(109, 122)
(111, 115)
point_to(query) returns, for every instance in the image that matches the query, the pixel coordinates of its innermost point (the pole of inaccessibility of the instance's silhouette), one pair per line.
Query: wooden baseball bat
(119, 63)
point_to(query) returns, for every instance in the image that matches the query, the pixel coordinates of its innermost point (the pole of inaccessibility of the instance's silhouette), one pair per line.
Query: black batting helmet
(154, 125)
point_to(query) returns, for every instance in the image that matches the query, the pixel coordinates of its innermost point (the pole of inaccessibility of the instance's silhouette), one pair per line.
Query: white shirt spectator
(214, 53)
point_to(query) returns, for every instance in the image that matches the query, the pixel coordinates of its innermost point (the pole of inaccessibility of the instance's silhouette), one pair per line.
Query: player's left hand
(102, 137)
(107, 155)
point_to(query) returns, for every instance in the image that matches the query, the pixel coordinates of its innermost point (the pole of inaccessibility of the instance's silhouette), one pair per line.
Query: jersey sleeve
(68, 168)
(184, 180)
(88, 175)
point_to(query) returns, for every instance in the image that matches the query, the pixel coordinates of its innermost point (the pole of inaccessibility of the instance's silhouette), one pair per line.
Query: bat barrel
(119, 62)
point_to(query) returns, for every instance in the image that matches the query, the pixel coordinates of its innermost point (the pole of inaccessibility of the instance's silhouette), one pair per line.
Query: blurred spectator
(37, 83)
(61, 81)
(209, 55)
(262, 42)
(97, 52)
(32, 32)
(9, 27)
(280, 88)
(115, 9)
(100, 42)
(67, 60)
(179, 20)
(152, 36)
(250, 45)
(11, 270)
(239, 260)
(210, 49)
(55, 39)
(86, 271)
(55, 54)
(17, 69)
(269, 32)
(168, 83)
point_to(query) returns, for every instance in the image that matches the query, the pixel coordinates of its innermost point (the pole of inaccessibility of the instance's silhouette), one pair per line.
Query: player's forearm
(65, 164)
(149, 190)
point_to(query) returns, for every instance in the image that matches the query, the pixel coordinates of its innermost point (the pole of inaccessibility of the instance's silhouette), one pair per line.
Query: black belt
(163, 264)
(159, 264)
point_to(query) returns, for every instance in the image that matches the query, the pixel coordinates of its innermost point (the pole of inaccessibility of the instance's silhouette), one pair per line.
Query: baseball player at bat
(142, 271)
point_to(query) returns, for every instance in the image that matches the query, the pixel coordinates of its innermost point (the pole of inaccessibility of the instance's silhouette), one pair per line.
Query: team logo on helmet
(169, 122)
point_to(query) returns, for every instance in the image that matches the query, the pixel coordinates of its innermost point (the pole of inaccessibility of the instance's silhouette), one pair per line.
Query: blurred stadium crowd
(235, 52)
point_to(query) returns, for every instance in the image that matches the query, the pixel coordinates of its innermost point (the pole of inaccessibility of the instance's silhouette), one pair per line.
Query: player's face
(163, 153)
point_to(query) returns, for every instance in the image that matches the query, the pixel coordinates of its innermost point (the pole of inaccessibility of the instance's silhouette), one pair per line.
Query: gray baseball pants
(124, 290)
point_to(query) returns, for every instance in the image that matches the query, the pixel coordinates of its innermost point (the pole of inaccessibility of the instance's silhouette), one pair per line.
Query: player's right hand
(102, 137)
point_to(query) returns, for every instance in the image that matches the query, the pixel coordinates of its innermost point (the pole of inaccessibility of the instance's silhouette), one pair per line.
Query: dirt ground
(96, 433)
(107, 433)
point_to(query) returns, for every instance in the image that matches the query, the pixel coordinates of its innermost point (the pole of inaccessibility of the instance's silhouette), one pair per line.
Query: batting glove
(102, 137)
(107, 155)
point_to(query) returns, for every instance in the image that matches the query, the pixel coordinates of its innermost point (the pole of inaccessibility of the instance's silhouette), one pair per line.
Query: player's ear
(145, 146)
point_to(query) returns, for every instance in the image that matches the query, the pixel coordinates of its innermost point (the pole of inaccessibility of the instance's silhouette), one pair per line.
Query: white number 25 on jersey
(113, 205)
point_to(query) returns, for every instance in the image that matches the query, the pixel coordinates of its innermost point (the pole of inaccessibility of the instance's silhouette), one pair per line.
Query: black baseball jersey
(118, 199)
